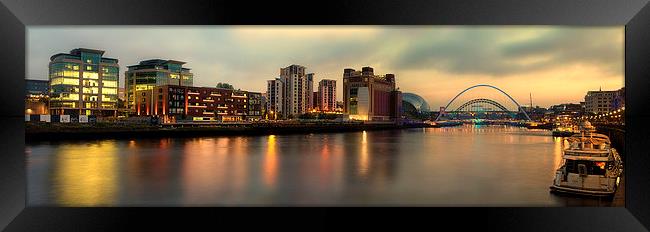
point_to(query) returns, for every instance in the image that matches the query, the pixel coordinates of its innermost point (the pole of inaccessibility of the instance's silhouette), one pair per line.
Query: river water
(457, 166)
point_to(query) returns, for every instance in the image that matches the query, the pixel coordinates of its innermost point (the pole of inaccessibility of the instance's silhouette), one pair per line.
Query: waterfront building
(263, 101)
(37, 96)
(121, 94)
(156, 72)
(255, 104)
(538, 113)
(618, 100)
(317, 105)
(566, 109)
(174, 103)
(414, 103)
(309, 93)
(275, 100)
(396, 101)
(291, 94)
(414, 106)
(367, 96)
(37, 87)
(339, 106)
(599, 101)
(327, 95)
(83, 82)
(296, 91)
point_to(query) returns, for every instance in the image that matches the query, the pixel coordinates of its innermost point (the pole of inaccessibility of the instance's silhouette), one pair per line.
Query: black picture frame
(16, 15)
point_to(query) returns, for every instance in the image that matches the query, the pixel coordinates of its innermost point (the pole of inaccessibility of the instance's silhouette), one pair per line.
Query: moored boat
(590, 165)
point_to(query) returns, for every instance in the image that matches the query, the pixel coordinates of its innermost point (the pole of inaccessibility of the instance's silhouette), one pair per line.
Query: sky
(553, 64)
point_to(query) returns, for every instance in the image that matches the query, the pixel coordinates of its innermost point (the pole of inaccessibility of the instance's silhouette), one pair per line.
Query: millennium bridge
(483, 110)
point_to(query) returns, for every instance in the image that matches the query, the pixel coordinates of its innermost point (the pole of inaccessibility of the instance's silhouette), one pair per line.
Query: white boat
(590, 165)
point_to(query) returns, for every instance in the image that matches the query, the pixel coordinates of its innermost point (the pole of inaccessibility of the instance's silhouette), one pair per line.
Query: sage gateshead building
(83, 82)
(149, 74)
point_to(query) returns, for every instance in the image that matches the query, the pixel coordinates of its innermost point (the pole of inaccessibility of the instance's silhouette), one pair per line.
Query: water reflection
(486, 166)
(270, 161)
(363, 155)
(86, 175)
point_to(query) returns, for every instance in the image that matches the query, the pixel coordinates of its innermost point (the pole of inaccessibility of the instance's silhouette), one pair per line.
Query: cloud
(601, 47)
(493, 51)
(425, 59)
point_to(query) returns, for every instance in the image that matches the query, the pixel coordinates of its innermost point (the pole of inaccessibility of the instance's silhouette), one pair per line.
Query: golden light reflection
(325, 155)
(239, 164)
(270, 162)
(132, 144)
(363, 156)
(161, 161)
(86, 175)
(325, 169)
(557, 153)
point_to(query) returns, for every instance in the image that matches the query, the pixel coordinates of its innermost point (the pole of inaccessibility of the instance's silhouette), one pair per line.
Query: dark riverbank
(35, 132)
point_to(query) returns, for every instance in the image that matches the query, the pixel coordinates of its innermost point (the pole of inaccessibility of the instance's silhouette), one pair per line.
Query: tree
(225, 86)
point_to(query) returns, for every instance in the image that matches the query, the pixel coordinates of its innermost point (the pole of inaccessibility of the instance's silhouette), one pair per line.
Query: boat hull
(583, 192)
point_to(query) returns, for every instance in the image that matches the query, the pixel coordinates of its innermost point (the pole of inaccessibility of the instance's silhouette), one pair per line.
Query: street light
(274, 115)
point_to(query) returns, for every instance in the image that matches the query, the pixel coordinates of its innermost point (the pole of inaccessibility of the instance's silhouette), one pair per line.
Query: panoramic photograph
(488, 116)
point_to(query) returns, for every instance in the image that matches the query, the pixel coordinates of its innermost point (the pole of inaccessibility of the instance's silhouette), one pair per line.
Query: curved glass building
(413, 102)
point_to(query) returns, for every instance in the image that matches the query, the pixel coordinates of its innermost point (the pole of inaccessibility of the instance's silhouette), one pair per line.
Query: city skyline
(435, 62)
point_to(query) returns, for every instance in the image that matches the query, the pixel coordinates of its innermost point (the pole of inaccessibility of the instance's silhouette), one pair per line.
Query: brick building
(173, 103)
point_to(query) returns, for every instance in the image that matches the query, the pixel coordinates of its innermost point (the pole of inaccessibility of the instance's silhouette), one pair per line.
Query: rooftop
(78, 51)
(157, 62)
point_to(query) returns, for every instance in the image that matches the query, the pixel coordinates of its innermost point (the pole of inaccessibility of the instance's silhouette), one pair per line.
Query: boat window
(582, 169)
(586, 167)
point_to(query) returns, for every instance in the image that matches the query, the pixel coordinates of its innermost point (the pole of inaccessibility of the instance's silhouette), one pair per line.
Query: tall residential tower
(326, 100)
(292, 93)
(275, 99)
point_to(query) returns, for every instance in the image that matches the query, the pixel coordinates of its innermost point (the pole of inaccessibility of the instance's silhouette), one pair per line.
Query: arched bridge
(483, 101)
(480, 102)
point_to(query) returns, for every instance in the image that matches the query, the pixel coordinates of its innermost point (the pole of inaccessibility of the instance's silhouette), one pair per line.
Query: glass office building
(83, 82)
(151, 73)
